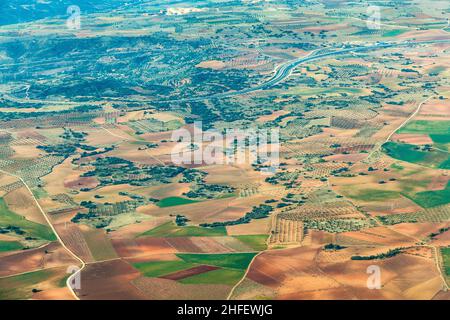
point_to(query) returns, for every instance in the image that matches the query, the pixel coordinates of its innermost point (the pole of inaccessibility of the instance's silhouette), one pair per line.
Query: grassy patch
(397, 166)
(256, 242)
(440, 138)
(219, 276)
(437, 70)
(174, 201)
(426, 127)
(414, 154)
(411, 185)
(446, 260)
(99, 245)
(19, 287)
(32, 229)
(161, 268)
(405, 152)
(228, 260)
(169, 229)
(372, 195)
(10, 246)
(313, 91)
(445, 165)
(62, 283)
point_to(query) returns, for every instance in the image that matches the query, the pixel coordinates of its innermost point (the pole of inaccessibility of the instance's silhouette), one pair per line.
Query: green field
(427, 127)
(393, 33)
(19, 287)
(437, 70)
(232, 267)
(219, 276)
(409, 153)
(225, 260)
(170, 229)
(10, 246)
(372, 195)
(32, 229)
(256, 242)
(100, 246)
(174, 201)
(161, 268)
(440, 138)
(311, 91)
(397, 166)
(430, 199)
(446, 260)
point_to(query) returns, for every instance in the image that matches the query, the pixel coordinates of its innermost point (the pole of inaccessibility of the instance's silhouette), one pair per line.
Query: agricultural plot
(421, 155)
(256, 242)
(445, 252)
(6, 246)
(29, 285)
(287, 231)
(174, 201)
(198, 269)
(169, 229)
(11, 223)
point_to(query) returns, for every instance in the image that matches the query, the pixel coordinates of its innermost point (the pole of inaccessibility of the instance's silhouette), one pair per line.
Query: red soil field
(189, 272)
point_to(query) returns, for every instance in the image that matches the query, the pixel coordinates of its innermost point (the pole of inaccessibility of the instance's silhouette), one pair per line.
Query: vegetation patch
(11, 222)
(161, 268)
(256, 242)
(423, 155)
(260, 212)
(333, 247)
(372, 195)
(10, 246)
(446, 260)
(430, 199)
(20, 287)
(219, 276)
(440, 138)
(426, 127)
(393, 33)
(232, 267)
(389, 254)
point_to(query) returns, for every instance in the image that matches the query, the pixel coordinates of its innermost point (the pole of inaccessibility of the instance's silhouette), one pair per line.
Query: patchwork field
(225, 149)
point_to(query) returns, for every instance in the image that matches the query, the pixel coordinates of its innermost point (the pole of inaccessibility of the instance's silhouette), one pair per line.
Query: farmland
(170, 230)
(13, 223)
(224, 149)
(173, 201)
(199, 269)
